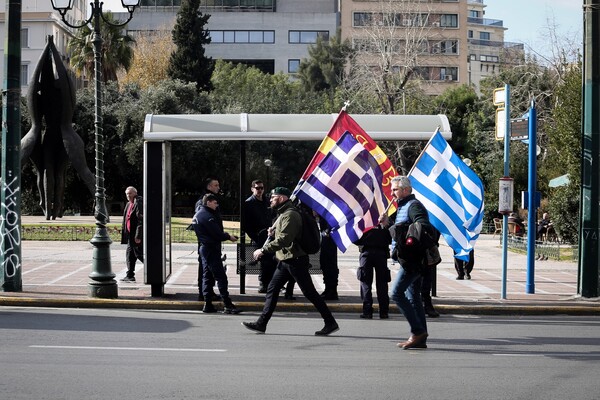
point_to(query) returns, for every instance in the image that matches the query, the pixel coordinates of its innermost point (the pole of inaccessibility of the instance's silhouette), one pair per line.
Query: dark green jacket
(288, 228)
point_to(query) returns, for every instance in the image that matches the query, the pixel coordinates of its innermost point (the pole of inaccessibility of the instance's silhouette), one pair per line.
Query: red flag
(345, 123)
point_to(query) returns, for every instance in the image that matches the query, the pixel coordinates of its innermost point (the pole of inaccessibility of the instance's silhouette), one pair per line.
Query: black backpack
(310, 239)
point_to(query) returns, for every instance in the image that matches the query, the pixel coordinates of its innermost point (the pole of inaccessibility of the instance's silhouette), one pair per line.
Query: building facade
(39, 20)
(272, 35)
(453, 42)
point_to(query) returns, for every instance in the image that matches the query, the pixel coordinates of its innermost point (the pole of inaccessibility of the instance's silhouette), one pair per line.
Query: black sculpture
(52, 142)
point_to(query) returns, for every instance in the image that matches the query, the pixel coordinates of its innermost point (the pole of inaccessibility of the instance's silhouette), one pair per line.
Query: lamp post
(103, 284)
(268, 164)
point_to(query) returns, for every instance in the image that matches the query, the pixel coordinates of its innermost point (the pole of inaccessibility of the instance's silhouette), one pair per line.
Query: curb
(293, 307)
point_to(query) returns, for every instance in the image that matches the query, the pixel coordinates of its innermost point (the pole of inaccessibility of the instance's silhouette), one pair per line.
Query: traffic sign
(500, 97)
(519, 128)
(500, 123)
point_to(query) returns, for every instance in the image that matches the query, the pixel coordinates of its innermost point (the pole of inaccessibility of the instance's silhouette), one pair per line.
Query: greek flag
(346, 189)
(452, 194)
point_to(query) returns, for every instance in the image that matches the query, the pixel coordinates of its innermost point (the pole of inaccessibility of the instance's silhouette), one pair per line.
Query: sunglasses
(259, 187)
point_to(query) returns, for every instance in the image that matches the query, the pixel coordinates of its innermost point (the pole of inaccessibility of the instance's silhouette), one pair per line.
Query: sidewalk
(55, 274)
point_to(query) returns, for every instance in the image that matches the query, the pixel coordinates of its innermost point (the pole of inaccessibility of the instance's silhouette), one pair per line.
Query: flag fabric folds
(345, 123)
(345, 188)
(452, 194)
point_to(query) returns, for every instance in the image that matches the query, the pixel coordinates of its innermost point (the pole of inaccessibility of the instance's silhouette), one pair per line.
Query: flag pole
(423, 151)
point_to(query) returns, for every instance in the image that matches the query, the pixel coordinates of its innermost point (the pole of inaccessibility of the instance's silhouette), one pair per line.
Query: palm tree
(117, 50)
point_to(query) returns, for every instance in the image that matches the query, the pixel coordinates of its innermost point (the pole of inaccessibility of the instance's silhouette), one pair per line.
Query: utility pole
(590, 197)
(10, 213)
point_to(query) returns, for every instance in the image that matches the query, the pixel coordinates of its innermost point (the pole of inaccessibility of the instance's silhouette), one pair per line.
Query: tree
(188, 62)
(154, 50)
(117, 51)
(564, 149)
(389, 49)
(458, 103)
(324, 67)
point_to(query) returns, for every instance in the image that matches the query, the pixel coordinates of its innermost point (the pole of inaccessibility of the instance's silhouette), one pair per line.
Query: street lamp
(268, 164)
(103, 284)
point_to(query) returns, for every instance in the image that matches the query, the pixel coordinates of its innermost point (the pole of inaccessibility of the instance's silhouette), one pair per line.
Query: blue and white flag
(346, 189)
(452, 194)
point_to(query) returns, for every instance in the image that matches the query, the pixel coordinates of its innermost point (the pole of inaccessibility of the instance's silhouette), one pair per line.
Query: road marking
(177, 274)
(518, 355)
(69, 274)
(468, 283)
(37, 268)
(127, 348)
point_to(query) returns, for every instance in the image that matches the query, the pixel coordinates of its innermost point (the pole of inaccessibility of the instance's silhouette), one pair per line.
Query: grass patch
(56, 231)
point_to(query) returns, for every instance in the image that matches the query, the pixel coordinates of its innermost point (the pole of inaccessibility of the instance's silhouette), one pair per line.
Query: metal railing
(544, 250)
(81, 233)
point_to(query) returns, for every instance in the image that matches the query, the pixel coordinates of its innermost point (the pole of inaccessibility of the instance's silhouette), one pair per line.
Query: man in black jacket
(208, 226)
(258, 217)
(131, 232)
(211, 186)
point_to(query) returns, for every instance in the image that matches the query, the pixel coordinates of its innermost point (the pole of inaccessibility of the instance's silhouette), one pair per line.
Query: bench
(246, 265)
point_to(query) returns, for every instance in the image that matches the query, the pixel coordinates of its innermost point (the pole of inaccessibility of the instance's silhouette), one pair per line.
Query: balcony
(486, 21)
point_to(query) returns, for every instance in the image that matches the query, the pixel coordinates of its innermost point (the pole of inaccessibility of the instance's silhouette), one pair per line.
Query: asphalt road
(121, 354)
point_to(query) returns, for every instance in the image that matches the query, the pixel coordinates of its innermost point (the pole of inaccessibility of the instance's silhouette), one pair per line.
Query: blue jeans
(406, 293)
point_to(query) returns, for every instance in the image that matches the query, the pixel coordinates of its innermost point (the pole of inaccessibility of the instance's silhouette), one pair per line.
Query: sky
(526, 19)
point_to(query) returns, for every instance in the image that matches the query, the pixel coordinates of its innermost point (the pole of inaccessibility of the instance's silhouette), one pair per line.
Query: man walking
(293, 262)
(131, 232)
(406, 289)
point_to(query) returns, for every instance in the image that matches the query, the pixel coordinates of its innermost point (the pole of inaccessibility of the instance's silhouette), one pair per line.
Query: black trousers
(296, 268)
(465, 267)
(213, 270)
(329, 263)
(133, 253)
(201, 272)
(374, 262)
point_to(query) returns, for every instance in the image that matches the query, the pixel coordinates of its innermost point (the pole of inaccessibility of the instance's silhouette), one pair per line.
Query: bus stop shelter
(161, 130)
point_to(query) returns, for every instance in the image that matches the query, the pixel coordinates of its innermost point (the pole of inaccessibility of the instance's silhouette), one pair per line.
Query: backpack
(310, 238)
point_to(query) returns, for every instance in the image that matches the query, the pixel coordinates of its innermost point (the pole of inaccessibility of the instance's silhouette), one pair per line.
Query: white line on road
(470, 284)
(177, 274)
(127, 348)
(37, 268)
(69, 274)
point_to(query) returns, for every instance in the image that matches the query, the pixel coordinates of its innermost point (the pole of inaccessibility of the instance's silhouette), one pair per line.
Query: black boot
(208, 307)
(229, 307)
(429, 310)
(330, 294)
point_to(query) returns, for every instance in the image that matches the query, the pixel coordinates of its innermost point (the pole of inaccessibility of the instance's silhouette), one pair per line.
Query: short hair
(208, 197)
(402, 181)
(131, 188)
(254, 182)
(208, 181)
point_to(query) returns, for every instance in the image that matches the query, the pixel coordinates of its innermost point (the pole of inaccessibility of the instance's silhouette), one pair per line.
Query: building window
(307, 36)
(24, 38)
(484, 35)
(473, 14)
(470, 33)
(449, 20)
(446, 47)
(24, 75)
(493, 59)
(242, 36)
(449, 73)
(293, 66)
(361, 19)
